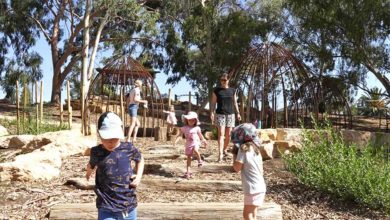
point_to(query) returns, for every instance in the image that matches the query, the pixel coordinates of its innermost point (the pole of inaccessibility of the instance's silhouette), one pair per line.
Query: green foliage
(28, 126)
(373, 102)
(329, 36)
(329, 164)
(201, 42)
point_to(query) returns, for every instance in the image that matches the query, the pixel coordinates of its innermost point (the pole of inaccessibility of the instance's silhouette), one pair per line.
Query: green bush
(329, 164)
(28, 126)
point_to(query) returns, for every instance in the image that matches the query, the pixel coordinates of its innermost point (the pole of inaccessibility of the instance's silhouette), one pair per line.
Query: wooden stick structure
(17, 109)
(41, 104)
(37, 105)
(69, 106)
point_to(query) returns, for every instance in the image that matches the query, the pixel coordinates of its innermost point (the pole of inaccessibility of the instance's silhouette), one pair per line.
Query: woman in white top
(132, 101)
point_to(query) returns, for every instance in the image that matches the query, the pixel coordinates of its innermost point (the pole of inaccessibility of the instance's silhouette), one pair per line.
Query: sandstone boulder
(18, 141)
(3, 131)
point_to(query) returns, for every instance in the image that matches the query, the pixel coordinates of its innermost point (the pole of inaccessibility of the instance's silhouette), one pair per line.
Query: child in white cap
(115, 182)
(194, 138)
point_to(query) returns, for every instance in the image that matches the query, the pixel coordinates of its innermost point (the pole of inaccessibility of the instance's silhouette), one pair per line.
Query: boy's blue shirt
(113, 177)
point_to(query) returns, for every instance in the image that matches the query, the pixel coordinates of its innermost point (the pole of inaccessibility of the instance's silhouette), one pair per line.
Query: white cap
(110, 126)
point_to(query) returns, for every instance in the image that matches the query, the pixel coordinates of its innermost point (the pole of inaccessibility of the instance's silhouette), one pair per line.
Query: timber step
(155, 211)
(171, 184)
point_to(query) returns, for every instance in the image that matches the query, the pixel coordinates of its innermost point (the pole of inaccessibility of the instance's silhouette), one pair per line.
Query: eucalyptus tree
(17, 62)
(202, 39)
(25, 69)
(342, 37)
(61, 23)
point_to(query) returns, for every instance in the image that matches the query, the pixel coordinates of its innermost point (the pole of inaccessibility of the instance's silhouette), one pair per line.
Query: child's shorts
(190, 149)
(133, 108)
(256, 199)
(228, 121)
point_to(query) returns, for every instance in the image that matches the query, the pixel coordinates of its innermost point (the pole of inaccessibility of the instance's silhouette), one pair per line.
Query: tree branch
(41, 28)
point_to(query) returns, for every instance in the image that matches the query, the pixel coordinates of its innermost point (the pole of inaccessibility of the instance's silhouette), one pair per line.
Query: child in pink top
(194, 139)
(171, 118)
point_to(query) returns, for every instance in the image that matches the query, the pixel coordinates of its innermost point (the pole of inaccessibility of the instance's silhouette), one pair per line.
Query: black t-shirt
(225, 100)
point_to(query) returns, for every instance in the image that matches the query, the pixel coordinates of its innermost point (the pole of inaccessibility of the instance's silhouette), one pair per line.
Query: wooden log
(161, 156)
(209, 168)
(172, 184)
(156, 211)
(160, 133)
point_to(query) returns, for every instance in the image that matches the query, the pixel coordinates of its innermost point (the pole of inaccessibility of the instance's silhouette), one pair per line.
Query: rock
(289, 134)
(267, 150)
(267, 135)
(19, 141)
(209, 135)
(3, 131)
(44, 163)
(32, 166)
(36, 143)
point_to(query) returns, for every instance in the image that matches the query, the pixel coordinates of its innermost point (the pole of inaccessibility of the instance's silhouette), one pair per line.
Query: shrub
(329, 164)
(28, 126)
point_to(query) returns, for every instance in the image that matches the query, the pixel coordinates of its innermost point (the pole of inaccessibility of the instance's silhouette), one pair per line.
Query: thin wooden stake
(17, 109)
(37, 105)
(41, 102)
(169, 97)
(189, 101)
(24, 103)
(69, 107)
(61, 114)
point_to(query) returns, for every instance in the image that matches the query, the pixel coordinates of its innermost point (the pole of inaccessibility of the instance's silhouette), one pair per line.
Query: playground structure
(277, 90)
(114, 81)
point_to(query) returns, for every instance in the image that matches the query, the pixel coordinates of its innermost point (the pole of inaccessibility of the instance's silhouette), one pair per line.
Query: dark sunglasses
(224, 80)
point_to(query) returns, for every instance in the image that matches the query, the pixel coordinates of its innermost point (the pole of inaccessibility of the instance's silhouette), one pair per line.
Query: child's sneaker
(200, 163)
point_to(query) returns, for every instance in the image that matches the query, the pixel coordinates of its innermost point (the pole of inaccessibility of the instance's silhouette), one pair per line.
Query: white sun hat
(188, 116)
(110, 126)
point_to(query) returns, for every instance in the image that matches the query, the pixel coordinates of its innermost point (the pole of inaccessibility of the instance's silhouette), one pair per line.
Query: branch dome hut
(277, 90)
(114, 81)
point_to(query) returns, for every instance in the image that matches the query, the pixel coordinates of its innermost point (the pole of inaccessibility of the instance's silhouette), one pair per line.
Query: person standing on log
(115, 180)
(226, 100)
(132, 101)
(247, 159)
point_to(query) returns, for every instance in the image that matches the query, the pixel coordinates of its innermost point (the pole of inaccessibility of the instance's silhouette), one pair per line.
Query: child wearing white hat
(115, 181)
(194, 139)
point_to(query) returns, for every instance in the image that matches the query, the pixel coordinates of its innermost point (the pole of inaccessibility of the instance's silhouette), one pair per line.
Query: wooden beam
(268, 211)
(172, 184)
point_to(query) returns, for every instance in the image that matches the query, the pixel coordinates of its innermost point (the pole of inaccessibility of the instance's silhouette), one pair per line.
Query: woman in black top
(226, 100)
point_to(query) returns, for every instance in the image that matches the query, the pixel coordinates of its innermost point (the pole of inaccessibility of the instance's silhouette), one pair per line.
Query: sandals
(187, 175)
(200, 163)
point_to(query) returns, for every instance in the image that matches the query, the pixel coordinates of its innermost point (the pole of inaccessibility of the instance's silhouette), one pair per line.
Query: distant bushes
(329, 164)
(28, 126)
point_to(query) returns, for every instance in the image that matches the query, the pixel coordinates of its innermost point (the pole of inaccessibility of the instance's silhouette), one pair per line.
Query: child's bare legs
(189, 159)
(197, 155)
(169, 127)
(250, 212)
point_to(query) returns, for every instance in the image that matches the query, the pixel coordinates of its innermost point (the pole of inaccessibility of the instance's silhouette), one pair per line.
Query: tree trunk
(381, 77)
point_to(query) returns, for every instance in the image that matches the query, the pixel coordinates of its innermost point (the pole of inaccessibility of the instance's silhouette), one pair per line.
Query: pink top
(192, 135)
(171, 118)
